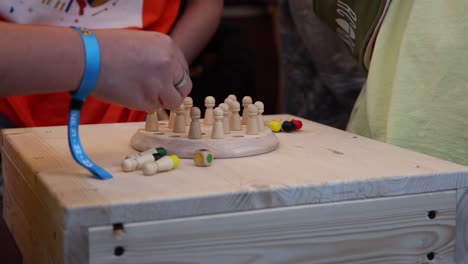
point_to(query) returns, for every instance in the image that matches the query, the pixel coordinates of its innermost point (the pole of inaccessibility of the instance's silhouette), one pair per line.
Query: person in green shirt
(416, 55)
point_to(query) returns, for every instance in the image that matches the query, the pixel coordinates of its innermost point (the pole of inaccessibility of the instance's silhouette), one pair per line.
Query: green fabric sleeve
(416, 95)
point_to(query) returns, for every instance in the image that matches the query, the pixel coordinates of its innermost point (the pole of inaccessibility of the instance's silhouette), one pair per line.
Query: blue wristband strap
(88, 82)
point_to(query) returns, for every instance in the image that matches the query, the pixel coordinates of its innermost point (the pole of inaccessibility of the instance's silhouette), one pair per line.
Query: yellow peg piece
(163, 164)
(274, 125)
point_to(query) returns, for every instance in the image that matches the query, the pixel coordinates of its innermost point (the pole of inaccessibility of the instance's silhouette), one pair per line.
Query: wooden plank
(39, 237)
(462, 226)
(386, 230)
(18, 225)
(76, 249)
(31, 247)
(316, 165)
(32, 152)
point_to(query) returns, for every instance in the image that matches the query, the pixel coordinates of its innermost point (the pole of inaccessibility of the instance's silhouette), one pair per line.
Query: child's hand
(140, 69)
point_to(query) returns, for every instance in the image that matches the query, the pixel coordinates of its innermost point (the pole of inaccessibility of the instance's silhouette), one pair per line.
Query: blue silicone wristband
(92, 64)
(88, 82)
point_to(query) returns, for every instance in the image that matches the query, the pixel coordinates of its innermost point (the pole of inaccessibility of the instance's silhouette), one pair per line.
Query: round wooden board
(234, 145)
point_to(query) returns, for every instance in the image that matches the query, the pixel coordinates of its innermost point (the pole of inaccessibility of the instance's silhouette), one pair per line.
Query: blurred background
(283, 56)
(242, 58)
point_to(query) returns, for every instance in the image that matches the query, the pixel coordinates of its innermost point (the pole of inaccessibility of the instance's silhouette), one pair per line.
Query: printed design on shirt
(84, 13)
(64, 5)
(346, 24)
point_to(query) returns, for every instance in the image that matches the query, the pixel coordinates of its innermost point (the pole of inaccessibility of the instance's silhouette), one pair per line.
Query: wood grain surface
(384, 230)
(316, 165)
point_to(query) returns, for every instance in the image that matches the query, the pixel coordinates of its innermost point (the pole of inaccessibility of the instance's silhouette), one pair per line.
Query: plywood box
(325, 196)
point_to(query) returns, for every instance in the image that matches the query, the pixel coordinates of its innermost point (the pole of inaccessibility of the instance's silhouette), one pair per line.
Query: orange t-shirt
(52, 109)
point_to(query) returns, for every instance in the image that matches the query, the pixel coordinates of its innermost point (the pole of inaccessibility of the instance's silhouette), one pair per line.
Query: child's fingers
(184, 85)
(173, 94)
(171, 98)
(175, 84)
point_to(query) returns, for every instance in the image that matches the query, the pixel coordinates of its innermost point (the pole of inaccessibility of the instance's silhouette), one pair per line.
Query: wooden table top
(318, 164)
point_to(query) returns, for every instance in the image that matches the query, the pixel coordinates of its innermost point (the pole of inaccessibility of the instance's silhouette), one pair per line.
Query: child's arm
(196, 26)
(138, 69)
(37, 59)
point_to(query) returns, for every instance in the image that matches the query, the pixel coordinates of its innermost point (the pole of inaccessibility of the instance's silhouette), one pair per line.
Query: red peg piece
(297, 124)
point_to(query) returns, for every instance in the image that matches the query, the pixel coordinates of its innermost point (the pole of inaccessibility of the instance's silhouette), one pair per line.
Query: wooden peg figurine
(235, 122)
(135, 164)
(226, 125)
(195, 129)
(150, 151)
(228, 101)
(162, 114)
(246, 101)
(188, 103)
(218, 128)
(172, 117)
(210, 102)
(163, 164)
(179, 126)
(233, 97)
(151, 124)
(252, 120)
(260, 109)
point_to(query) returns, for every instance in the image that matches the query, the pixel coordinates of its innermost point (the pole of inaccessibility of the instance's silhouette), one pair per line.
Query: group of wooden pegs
(156, 160)
(150, 161)
(223, 119)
